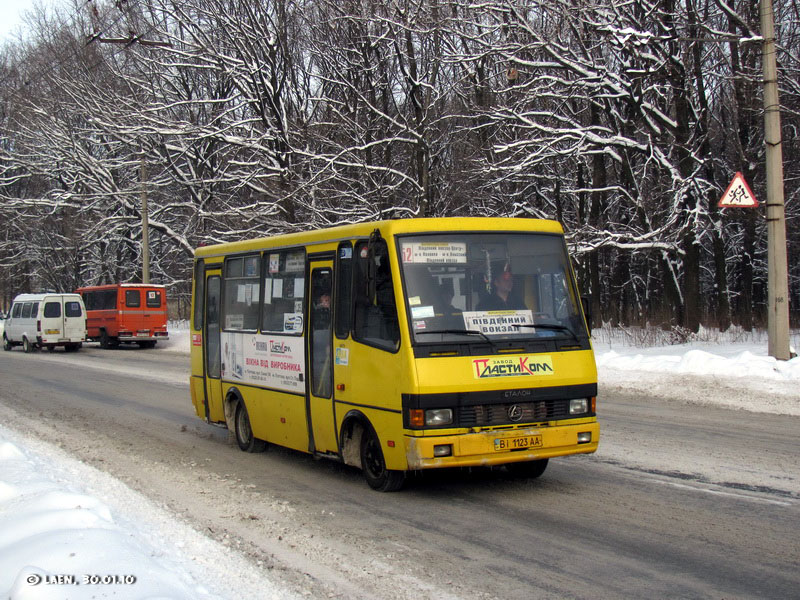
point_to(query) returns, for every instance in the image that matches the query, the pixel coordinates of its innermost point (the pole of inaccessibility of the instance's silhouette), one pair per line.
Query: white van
(46, 321)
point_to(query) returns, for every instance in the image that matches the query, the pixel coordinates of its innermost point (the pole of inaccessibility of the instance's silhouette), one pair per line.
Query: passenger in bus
(321, 341)
(451, 316)
(503, 297)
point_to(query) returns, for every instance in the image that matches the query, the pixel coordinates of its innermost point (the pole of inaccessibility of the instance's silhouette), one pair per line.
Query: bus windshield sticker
(295, 262)
(299, 287)
(422, 312)
(513, 366)
(434, 252)
(234, 321)
(497, 321)
(274, 263)
(292, 322)
(414, 301)
(342, 356)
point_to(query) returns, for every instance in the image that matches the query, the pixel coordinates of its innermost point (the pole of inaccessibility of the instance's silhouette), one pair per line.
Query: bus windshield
(495, 286)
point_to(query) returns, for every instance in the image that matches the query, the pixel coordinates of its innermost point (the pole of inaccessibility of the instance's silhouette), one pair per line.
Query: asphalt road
(634, 522)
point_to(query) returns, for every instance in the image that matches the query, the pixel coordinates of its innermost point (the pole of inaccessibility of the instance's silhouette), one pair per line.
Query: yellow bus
(397, 346)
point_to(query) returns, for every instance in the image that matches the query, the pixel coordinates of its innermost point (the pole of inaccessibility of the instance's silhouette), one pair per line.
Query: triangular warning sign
(738, 194)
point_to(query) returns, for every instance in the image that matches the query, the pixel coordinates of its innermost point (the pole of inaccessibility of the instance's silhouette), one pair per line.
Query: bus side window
(240, 303)
(375, 319)
(199, 294)
(344, 290)
(284, 292)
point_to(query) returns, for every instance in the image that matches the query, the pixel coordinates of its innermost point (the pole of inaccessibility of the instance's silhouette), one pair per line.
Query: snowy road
(682, 500)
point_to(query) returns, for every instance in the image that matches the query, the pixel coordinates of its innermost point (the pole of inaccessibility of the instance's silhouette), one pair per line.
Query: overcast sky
(10, 15)
(11, 12)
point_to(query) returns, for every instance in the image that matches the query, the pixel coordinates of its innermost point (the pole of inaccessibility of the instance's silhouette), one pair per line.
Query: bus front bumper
(501, 446)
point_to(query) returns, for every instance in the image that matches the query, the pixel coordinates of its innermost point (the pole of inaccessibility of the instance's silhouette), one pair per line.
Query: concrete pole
(145, 221)
(778, 271)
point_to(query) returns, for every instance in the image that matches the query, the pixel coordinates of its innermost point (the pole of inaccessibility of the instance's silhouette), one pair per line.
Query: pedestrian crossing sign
(738, 195)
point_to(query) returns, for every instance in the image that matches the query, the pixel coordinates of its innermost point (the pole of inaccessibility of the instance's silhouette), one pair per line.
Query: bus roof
(387, 229)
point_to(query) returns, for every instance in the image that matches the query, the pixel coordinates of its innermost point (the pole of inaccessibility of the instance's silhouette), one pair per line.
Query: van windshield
(489, 286)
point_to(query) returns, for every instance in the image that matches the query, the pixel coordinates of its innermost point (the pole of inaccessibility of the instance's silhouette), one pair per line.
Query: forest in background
(625, 120)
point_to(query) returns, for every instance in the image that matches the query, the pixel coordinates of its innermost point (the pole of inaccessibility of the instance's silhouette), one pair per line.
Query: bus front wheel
(244, 433)
(530, 469)
(374, 466)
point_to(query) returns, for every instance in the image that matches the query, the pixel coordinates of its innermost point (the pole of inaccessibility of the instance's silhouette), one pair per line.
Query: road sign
(738, 194)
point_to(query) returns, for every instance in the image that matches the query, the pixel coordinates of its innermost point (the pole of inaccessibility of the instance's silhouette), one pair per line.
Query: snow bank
(59, 540)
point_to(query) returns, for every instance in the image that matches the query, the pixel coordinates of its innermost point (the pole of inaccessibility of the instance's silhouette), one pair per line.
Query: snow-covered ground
(69, 530)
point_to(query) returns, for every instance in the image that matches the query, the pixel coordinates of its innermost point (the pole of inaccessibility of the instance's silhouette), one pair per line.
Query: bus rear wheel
(244, 433)
(378, 477)
(528, 470)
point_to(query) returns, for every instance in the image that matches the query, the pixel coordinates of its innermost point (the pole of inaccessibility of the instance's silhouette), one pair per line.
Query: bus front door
(211, 350)
(320, 344)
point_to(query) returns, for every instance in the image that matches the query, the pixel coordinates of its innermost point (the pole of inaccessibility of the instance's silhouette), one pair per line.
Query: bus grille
(498, 414)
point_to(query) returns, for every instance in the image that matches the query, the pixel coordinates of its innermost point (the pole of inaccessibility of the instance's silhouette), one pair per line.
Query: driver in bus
(503, 285)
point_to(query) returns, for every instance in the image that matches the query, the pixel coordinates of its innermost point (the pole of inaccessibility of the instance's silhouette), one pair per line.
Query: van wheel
(6, 344)
(378, 477)
(26, 345)
(244, 433)
(528, 470)
(50, 347)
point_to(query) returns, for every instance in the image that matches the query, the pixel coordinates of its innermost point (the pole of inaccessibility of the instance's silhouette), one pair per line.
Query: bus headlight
(578, 406)
(438, 416)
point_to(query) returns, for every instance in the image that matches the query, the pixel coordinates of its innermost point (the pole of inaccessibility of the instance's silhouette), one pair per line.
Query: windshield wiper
(459, 331)
(549, 326)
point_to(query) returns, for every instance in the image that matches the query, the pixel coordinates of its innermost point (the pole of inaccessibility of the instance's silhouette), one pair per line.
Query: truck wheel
(244, 433)
(378, 477)
(6, 344)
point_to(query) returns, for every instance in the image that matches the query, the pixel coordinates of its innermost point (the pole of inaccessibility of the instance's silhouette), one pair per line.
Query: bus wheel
(26, 345)
(374, 466)
(528, 470)
(6, 343)
(244, 433)
(105, 341)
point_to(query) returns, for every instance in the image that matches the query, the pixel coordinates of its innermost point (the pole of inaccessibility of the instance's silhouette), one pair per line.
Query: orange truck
(133, 313)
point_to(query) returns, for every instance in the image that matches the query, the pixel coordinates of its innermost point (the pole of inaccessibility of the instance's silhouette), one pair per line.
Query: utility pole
(145, 221)
(777, 264)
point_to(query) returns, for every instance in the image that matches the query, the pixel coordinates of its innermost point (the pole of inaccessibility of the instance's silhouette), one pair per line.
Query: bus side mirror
(586, 304)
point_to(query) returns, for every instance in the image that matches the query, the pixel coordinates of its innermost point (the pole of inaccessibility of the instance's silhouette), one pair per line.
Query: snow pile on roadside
(58, 540)
(738, 375)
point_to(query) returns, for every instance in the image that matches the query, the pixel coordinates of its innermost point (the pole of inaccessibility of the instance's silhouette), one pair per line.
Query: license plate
(143, 334)
(52, 331)
(516, 443)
